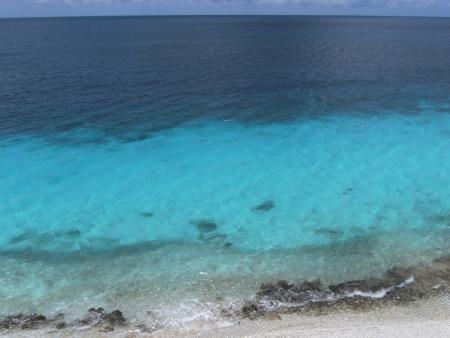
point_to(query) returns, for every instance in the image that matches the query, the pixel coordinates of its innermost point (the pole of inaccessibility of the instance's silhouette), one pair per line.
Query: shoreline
(420, 292)
(425, 318)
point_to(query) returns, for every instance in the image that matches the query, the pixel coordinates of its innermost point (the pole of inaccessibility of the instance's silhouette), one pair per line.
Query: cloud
(307, 3)
(347, 3)
(88, 2)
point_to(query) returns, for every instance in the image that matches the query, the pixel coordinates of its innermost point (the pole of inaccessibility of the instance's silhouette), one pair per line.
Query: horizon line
(215, 14)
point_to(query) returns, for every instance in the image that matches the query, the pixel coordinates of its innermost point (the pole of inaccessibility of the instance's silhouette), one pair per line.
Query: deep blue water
(210, 154)
(149, 73)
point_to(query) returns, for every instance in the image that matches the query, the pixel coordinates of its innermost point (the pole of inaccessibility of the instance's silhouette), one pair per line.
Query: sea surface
(167, 166)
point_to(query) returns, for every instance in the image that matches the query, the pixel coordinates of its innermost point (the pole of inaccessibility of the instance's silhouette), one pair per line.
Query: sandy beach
(429, 318)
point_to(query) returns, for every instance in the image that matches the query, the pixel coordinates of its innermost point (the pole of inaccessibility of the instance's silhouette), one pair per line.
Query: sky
(31, 8)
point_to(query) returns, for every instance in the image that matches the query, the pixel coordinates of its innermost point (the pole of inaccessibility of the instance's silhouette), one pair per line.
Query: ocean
(168, 166)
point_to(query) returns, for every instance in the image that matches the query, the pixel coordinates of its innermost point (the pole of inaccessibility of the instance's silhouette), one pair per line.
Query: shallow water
(351, 197)
(182, 214)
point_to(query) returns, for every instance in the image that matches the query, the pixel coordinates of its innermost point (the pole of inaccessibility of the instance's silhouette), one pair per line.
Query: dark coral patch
(264, 206)
(147, 214)
(205, 225)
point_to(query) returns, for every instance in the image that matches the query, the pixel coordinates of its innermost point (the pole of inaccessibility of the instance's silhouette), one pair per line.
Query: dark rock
(227, 244)
(314, 285)
(264, 206)
(267, 289)
(284, 292)
(284, 285)
(397, 286)
(251, 310)
(115, 318)
(205, 225)
(23, 321)
(33, 321)
(99, 316)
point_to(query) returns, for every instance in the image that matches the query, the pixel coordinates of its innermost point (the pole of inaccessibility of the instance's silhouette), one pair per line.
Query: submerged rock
(205, 225)
(264, 206)
(147, 214)
(115, 318)
(208, 232)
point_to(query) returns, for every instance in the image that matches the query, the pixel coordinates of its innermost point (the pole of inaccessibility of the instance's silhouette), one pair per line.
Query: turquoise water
(330, 178)
(351, 196)
(167, 166)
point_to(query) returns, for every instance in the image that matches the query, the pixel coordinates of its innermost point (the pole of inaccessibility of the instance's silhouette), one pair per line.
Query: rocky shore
(398, 286)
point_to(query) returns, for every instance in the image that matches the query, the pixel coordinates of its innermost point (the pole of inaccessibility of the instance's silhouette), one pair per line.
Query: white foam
(382, 292)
